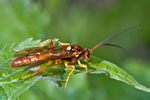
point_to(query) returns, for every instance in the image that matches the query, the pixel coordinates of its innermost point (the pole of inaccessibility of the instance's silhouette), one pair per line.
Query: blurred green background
(86, 23)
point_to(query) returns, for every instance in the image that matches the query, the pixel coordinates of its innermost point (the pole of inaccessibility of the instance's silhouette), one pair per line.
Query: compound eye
(87, 54)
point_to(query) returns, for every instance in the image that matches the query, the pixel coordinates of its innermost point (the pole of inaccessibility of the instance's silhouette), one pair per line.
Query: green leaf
(114, 72)
(23, 18)
(11, 87)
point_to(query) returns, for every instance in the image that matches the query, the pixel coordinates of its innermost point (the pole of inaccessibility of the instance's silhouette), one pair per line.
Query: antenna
(102, 43)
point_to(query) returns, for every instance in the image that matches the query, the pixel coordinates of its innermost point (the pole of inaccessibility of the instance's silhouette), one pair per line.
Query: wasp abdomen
(24, 60)
(20, 61)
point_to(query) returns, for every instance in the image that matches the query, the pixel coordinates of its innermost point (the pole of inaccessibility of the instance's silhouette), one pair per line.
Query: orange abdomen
(20, 61)
(24, 60)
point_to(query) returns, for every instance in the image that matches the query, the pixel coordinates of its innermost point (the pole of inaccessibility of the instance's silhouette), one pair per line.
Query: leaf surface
(11, 87)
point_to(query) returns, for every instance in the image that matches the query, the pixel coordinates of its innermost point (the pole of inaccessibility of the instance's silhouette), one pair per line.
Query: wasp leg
(50, 42)
(85, 66)
(60, 43)
(57, 61)
(14, 50)
(40, 70)
(70, 73)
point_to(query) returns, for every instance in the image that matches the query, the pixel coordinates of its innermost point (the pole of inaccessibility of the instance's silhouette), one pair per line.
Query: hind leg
(40, 70)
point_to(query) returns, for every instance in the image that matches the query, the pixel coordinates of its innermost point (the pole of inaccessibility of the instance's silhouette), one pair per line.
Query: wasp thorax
(74, 48)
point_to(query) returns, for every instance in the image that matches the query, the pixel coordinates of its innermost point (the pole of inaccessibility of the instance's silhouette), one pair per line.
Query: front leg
(85, 66)
(70, 73)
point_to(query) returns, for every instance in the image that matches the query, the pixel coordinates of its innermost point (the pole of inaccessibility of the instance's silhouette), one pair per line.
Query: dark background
(86, 23)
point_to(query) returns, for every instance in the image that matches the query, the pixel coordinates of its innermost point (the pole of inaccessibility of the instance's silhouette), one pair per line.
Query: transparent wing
(28, 51)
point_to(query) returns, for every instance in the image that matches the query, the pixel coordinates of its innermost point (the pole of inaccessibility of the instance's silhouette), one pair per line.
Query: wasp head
(86, 54)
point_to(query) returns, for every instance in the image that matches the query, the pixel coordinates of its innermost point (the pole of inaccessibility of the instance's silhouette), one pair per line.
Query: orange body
(45, 54)
(24, 60)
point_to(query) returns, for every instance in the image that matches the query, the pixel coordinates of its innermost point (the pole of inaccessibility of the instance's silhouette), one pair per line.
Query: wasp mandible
(64, 53)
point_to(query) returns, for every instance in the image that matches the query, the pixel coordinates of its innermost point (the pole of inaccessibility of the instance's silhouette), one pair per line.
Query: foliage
(86, 23)
(11, 87)
(21, 19)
